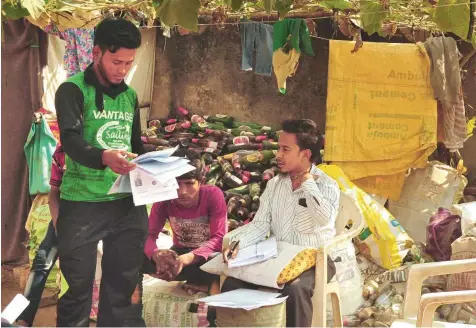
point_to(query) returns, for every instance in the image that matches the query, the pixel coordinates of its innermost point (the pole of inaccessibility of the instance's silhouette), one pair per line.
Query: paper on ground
(260, 252)
(15, 308)
(247, 299)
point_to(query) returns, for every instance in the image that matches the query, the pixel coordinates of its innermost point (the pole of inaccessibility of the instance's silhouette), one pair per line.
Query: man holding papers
(299, 206)
(99, 125)
(198, 218)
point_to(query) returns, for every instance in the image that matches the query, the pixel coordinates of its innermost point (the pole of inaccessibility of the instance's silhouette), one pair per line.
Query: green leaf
(336, 4)
(34, 7)
(12, 11)
(269, 5)
(372, 14)
(181, 12)
(283, 7)
(236, 4)
(453, 17)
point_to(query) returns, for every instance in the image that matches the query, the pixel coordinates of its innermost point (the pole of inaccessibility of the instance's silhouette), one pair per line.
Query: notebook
(260, 252)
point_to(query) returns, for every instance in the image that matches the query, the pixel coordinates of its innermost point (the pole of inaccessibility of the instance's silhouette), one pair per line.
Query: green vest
(107, 129)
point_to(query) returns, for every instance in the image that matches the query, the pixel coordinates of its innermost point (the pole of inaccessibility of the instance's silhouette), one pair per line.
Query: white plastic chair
(419, 310)
(348, 211)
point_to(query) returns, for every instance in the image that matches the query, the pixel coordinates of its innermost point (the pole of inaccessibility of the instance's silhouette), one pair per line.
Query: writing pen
(232, 249)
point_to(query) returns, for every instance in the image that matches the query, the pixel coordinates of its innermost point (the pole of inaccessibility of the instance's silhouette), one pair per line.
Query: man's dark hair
(195, 160)
(307, 135)
(115, 33)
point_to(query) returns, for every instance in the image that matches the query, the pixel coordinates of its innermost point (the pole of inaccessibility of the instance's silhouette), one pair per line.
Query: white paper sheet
(260, 252)
(121, 185)
(159, 167)
(15, 308)
(147, 190)
(247, 299)
(175, 172)
(150, 156)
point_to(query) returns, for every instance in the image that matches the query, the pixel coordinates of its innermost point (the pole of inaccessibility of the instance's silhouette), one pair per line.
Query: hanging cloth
(39, 148)
(299, 32)
(446, 82)
(79, 47)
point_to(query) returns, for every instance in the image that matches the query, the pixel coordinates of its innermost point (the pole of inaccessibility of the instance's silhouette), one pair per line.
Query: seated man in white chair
(299, 206)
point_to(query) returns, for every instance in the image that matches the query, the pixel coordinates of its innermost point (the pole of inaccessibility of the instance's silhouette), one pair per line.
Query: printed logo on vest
(113, 135)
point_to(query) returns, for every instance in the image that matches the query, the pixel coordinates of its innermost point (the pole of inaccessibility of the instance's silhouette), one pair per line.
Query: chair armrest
(419, 272)
(430, 302)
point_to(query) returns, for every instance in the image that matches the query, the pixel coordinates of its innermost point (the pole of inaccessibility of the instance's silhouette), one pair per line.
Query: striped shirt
(304, 217)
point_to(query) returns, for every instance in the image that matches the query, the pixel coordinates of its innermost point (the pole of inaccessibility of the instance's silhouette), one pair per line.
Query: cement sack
(424, 191)
(37, 224)
(166, 304)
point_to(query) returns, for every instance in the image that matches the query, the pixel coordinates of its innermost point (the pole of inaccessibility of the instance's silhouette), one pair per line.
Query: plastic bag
(37, 225)
(349, 277)
(441, 232)
(467, 211)
(383, 241)
(39, 148)
(424, 191)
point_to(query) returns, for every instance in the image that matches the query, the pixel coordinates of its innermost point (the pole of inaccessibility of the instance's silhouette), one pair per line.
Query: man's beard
(103, 74)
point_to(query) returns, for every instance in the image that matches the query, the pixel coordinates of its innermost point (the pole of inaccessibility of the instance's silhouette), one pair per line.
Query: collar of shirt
(314, 171)
(112, 91)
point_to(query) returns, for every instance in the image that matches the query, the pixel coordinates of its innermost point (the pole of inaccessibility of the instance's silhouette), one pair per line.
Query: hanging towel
(446, 83)
(39, 148)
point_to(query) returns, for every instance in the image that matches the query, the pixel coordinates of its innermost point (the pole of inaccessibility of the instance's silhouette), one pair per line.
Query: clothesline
(316, 18)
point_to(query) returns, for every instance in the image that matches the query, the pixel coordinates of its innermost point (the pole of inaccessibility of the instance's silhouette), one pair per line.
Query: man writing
(99, 125)
(299, 206)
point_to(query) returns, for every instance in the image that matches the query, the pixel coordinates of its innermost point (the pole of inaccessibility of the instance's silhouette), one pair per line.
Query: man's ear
(97, 53)
(308, 154)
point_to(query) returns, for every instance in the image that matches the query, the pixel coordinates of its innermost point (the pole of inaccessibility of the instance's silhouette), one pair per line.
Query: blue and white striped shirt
(281, 213)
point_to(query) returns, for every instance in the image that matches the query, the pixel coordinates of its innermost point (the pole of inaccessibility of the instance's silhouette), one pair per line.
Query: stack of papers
(154, 179)
(247, 299)
(260, 252)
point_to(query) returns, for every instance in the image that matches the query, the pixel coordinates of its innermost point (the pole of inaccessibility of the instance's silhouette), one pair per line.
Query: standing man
(299, 207)
(99, 125)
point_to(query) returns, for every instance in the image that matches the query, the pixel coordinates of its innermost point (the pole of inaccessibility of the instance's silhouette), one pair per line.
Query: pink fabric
(202, 227)
(58, 166)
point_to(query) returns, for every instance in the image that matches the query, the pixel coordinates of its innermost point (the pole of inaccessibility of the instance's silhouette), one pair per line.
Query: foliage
(373, 16)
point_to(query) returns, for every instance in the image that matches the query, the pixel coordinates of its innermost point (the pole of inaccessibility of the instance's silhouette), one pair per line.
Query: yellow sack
(380, 102)
(37, 225)
(383, 241)
(381, 116)
(387, 186)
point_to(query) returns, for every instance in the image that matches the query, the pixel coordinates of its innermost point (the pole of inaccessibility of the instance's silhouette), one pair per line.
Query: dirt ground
(45, 317)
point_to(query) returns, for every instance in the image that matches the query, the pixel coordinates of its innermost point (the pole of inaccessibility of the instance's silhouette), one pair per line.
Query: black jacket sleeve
(136, 142)
(69, 103)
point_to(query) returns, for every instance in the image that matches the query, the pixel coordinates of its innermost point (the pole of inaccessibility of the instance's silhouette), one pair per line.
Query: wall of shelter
(203, 73)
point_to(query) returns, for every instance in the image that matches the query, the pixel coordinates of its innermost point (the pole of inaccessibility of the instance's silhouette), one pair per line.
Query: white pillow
(262, 274)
